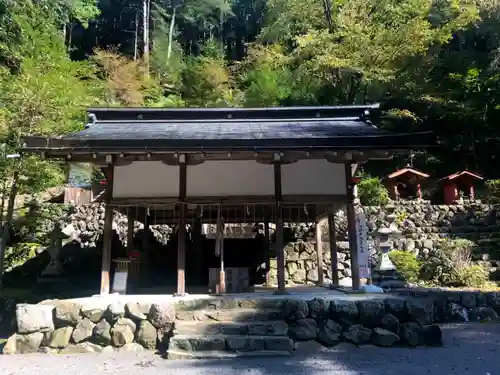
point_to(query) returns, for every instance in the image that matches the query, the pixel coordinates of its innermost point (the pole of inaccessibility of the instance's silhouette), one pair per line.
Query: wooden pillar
(351, 228)
(197, 241)
(280, 254)
(266, 247)
(219, 243)
(130, 230)
(333, 246)
(108, 229)
(319, 253)
(181, 232)
(146, 233)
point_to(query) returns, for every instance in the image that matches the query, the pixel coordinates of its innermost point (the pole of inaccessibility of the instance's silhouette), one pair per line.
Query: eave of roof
(228, 129)
(407, 170)
(454, 176)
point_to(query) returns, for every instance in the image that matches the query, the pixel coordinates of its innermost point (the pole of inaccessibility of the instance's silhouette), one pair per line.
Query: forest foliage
(432, 64)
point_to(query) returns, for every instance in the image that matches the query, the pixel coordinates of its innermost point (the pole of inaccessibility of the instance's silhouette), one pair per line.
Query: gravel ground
(471, 348)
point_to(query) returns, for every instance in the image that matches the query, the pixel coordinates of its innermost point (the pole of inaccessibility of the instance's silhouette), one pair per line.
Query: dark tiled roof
(347, 127)
(229, 130)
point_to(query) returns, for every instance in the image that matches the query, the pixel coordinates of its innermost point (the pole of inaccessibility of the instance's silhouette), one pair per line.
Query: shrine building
(224, 166)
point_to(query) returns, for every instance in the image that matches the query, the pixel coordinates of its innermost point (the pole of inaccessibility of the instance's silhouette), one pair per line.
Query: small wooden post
(197, 239)
(108, 229)
(351, 228)
(319, 253)
(221, 288)
(266, 245)
(146, 231)
(181, 231)
(280, 254)
(130, 230)
(333, 246)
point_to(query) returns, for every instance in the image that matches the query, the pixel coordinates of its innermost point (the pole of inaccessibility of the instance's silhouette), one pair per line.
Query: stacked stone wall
(66, 327)
(421, 227)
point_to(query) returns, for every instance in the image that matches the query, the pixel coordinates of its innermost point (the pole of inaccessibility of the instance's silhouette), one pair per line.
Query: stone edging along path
(403, 317)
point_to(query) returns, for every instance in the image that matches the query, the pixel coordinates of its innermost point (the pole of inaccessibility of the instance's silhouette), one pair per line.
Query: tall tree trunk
(7, 227)
(145, 30)
(171, 34)
(136, 35)
(327, 9)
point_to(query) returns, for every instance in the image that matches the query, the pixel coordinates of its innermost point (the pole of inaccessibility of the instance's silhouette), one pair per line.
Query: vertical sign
(362, 241)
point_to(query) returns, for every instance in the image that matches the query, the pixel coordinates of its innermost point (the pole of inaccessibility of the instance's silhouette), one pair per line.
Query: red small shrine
(460, 182)
(405, 183)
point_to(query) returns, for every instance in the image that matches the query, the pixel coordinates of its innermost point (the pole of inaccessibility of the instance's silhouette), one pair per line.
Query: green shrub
(451, 265)
(472, 276)
(493, 191)
(372, 192)
(406, 264)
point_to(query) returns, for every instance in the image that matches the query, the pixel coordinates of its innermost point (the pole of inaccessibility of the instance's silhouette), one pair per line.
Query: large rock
(358, 334)
(457, 313)
(133, 347)
(33, 318)
(59, 338)
(81, 348)
(102, 333)
(21, 344)
(384, 337)
(317, 308)
(482, 313)
(135, 311)
(303, 330)
(370, 312)
(389, 322)
(115, 311)
(421, 310)
(146, 335)
(121, 335)
(396, 307)
(344, 312)
(67, 313)
(410, 334)
(93, 314)
(162, 316)
(432, 335)
(294, 310)
(126, 322)
(83, 331)
(330, 333)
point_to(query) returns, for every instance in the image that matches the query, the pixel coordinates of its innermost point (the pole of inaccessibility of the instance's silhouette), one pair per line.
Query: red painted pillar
(472, 194)
(419, 192)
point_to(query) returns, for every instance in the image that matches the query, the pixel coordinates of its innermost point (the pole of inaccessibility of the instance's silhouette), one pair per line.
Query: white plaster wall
(313, 177)
(146, 179)
(230, 178)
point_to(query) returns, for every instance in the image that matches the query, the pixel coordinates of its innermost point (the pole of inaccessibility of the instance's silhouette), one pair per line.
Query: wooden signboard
(120, 282)
(363, 250)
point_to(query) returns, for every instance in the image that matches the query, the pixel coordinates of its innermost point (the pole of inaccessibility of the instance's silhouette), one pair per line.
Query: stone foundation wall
(68, 327)
(385, 320)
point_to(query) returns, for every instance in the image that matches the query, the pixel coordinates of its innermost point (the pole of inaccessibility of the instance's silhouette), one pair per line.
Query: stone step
(230, 315)
(212, 327)
(230, 343)
(182, 354)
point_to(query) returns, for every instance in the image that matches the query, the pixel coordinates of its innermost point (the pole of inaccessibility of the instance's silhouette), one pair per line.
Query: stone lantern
(385, 274)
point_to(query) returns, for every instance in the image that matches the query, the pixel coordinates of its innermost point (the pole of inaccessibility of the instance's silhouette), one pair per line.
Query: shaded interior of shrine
(248, 248)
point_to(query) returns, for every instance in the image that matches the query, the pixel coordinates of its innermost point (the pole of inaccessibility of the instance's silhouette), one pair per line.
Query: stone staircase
(229, 333)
